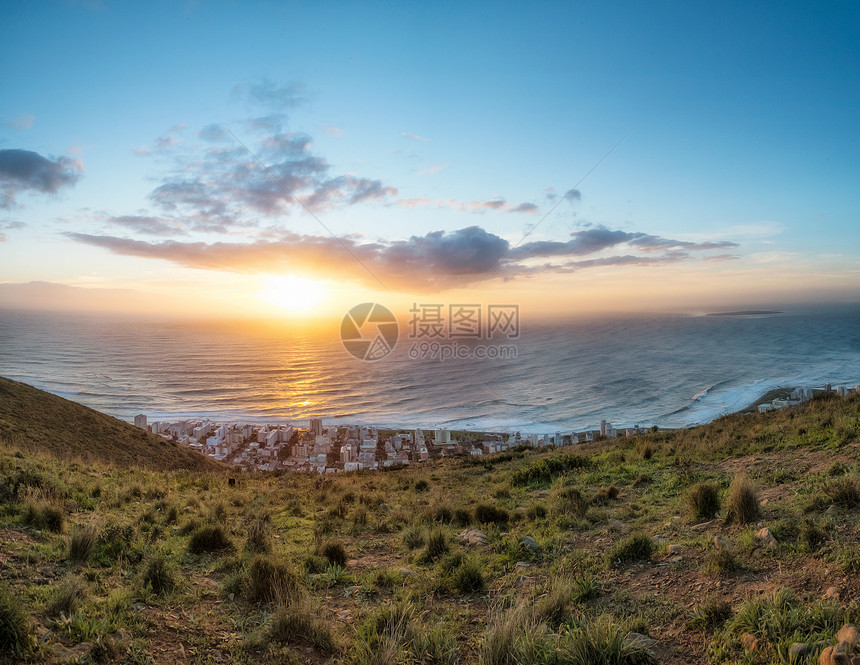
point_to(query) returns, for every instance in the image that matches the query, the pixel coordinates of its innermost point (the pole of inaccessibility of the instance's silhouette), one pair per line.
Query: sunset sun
(296, 295)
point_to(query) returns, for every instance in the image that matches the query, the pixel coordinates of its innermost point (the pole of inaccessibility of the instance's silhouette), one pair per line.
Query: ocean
(670, 371)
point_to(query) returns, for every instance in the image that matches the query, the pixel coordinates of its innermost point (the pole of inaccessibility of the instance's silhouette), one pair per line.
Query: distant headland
(746, 312)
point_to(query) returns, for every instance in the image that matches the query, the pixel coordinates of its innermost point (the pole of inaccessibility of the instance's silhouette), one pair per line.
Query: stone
(832, 593)
(765, 538)
(835, 655)
(406, 572)
(674, 550)
(848, 633)
(473, 536)
(749, 642)
(530, 544)
(522, 564)
(798, 652)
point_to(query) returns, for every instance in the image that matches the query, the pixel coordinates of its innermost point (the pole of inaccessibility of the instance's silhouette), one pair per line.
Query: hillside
(37, 420)
(735, 542)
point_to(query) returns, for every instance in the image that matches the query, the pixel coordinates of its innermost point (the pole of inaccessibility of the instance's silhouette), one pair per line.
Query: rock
(848, 633)
(765, 538)
(522, 564)
(406, 572)
(473, 536)
(836, 655)
(798, 652)
(832, 593)
(530, 544)
(749, 641)
(674, 550)
(639, 640)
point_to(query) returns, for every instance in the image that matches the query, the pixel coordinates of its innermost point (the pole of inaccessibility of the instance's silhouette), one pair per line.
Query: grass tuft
(742, 506)
(704, 501)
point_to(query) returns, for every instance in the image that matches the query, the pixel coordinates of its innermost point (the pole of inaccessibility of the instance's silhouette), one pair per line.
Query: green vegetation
(531, 557)
(34, 420)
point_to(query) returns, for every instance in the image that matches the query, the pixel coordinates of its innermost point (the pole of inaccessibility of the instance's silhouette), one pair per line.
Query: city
(341, 448)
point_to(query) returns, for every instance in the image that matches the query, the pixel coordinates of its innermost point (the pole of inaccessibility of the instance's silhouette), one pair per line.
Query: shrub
(462, 517)
(421, 485)
(712, 614)
(159, 575)
(600, 641)
(811, 536)
(437, 545)
(488, 514)
(413, 538)
(81, 544)
(44, 516)
(543, 471)
(704, 501)
(114, 542)
(335, 553)
(297, 624)
(443, 515)
(209, 538)
(15, 638)
(585, 589)
(269, 581)
(742, 504)
(569, 501)
(536, 512)
(468, 578)
(554, 607)
(604, 495)
(844, 491)
(258, 539)
(722, 562)
(635, 547)
(66, 598)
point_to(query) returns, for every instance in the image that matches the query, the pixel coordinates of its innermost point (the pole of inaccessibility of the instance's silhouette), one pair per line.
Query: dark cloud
(435, 261)
(24, 170)
(597, 238)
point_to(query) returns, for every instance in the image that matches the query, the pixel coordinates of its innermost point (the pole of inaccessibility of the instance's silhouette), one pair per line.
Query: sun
(297, 295)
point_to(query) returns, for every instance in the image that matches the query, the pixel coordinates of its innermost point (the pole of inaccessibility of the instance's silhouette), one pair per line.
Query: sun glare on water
(296, 295)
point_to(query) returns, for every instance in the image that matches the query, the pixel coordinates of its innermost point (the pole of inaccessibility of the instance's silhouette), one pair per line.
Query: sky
(294, 159)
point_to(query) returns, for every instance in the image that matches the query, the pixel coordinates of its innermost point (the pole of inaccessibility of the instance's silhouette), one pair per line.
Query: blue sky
(740, 122)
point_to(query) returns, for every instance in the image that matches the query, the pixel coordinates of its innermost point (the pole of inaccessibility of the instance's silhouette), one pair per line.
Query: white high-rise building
(140, 421)
(316, 425)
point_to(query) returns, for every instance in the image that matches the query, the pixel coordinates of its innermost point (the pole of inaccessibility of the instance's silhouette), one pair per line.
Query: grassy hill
(647, 550)
(36, 420)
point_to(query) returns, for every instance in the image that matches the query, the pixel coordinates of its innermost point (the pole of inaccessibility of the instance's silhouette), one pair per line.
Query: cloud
(268, 95)
(497, 205)
(21, 122)
(435, 261)
(24, 170)
(527, 207)
(596, 239)
(414, 137)
(213, 133)
(337, 132)
(222, 185)
(430, 170)
(148, 225)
